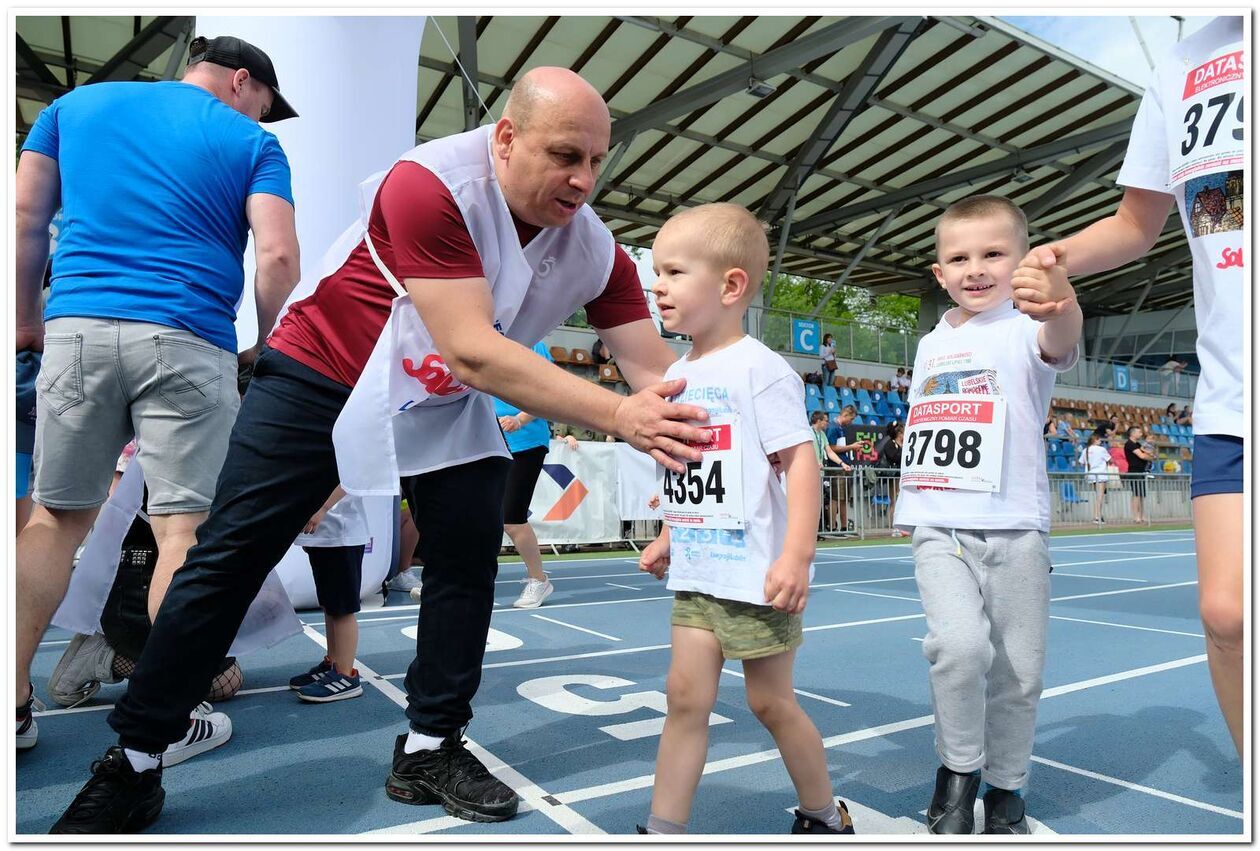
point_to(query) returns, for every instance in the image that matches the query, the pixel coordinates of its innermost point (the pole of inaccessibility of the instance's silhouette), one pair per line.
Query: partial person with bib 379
(976, 499)
(160, 185)
(473, 248)
(1187, 148)
(738, 547)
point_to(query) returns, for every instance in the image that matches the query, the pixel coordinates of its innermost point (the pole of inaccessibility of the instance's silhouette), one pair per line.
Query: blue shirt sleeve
(271, 171)
(43, 138)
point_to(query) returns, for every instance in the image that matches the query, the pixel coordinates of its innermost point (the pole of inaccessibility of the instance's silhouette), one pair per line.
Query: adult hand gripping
(651, 424)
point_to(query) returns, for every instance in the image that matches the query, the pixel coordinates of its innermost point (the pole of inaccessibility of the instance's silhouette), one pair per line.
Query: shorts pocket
(190, 374)
(60, 384)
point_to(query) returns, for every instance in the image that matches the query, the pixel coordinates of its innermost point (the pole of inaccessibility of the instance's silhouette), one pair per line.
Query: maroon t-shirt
(334, 329)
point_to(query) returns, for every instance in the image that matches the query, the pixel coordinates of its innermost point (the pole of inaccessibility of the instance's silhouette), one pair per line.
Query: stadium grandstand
(847, 136)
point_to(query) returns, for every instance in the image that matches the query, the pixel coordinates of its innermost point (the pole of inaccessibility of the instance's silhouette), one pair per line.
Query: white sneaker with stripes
(207, 730)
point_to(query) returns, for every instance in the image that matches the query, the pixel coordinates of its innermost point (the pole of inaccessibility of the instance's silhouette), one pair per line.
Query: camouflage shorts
(743, 630)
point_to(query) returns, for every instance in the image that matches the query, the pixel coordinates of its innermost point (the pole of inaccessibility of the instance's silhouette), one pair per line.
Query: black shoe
(117, 799)
(638, 828)
(1004, 813)
(953, 802)
(805, 824)
(450, 776)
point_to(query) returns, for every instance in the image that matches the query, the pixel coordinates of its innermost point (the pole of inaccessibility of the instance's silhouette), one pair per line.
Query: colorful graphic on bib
(979, 381)
(701, 545)
(1215, 203)
(574, 492)
(1215, 72)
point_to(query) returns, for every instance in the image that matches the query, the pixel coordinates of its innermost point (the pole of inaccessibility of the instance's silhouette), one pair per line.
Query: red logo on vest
(434, 376)
(1230, 257)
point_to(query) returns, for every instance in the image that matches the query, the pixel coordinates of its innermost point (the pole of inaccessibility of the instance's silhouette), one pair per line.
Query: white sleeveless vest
(407, 413)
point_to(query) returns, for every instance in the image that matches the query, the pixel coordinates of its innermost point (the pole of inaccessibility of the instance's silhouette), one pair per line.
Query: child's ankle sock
(828, 815)
(660, 825)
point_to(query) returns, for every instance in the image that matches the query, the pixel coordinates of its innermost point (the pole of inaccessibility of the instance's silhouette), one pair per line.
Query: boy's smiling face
(976, 259)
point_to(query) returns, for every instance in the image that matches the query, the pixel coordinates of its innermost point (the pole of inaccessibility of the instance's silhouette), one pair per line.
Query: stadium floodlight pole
(784, 231)
(177, 51)
(610, 166)
(1146, 51)
(857, 258)
(1162, 330)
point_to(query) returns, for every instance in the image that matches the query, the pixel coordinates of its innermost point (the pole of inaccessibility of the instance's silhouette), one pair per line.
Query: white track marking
(578, 628)
(1137, 787)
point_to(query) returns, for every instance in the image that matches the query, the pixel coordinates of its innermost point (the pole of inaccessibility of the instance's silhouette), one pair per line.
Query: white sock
(421, 742)
(141, 761)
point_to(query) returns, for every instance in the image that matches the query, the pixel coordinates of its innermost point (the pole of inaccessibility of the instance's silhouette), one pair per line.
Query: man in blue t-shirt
(159, 185)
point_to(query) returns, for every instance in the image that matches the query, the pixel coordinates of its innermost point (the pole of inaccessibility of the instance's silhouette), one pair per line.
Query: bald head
(546, 93)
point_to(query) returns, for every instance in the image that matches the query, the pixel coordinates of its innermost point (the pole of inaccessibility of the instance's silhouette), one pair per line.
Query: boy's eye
(994, 253)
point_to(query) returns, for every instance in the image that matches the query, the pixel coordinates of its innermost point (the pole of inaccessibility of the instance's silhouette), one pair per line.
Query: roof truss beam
(930, 189)
(148, 44)
(802, 50)
(851, 100)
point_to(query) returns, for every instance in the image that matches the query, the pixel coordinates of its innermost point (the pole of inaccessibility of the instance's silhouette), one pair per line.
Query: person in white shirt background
(1187, 148)
(1094, 459)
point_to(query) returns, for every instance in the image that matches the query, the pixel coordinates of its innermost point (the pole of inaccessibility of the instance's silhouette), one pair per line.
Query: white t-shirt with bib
(1188, 142)
(995, 352)
(754, 389)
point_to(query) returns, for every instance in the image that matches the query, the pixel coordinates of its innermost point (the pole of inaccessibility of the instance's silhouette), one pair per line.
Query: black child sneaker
(450, 776)
(805, 824)
(1004, 813)
(953, 802)
(117, 799)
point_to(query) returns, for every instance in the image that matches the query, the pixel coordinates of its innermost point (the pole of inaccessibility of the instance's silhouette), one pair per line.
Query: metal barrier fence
(861, 503)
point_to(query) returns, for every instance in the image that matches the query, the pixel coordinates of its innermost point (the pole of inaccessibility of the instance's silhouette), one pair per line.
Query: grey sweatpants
(987, 599)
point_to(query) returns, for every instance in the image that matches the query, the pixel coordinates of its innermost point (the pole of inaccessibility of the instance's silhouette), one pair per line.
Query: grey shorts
(104, 381)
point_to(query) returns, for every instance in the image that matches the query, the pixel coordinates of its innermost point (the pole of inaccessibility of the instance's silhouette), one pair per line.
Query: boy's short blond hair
(983, 207)
(734, 238)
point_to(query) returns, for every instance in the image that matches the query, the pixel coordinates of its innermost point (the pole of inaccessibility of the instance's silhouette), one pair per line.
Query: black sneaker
(450, 776)
(805, 824)
(117, 799)
(953, 802)
(1004, 813)
(638, 828)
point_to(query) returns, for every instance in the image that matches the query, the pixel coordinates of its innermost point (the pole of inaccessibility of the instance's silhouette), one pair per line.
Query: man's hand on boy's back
(1040, 285)
(787, 584)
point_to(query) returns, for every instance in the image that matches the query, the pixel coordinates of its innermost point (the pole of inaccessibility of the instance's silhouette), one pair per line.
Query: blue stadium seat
(858, 421)
(847, 397)
(865, 409)
(1052, 447)
(830, 395)
(831, 406)
(881, 408)
(894, 398)
(812, 391)
(877, 396)
(1186, 430)
(1061, 465)
(899, 411)
(863, 397)
(1067, 493)
(812, 403)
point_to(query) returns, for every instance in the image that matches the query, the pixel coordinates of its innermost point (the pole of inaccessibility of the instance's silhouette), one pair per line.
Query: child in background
(739, 548)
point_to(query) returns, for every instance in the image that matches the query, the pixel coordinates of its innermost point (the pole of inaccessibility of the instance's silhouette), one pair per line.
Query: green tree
(854, 304)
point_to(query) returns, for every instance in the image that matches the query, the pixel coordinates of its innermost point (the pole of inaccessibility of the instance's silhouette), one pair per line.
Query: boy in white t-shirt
(975, 493)
(739, 548)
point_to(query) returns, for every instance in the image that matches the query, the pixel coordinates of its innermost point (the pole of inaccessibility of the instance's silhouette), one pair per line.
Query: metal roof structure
(848, 135)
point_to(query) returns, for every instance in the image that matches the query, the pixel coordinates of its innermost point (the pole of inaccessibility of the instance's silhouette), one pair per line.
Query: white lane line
(1134, 552)
(1127, 626)
(625, 574)
(578, 628)
(1137, 787)
(1092, 576)
(1124, 591)
(430, 825)
(627, 587)
(101, 707)
(717, 766)
(1118, 560)
(799, 691)
(567, 818)
(1143, 542)
(873, 594)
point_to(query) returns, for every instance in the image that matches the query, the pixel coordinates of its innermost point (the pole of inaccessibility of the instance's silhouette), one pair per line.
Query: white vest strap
(376, 258)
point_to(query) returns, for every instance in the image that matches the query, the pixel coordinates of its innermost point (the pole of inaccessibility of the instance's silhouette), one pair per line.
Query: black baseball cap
(236, 53)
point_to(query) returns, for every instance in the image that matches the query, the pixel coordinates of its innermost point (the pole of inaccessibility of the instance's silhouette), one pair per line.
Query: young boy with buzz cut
(975, 494)
(739, 550)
